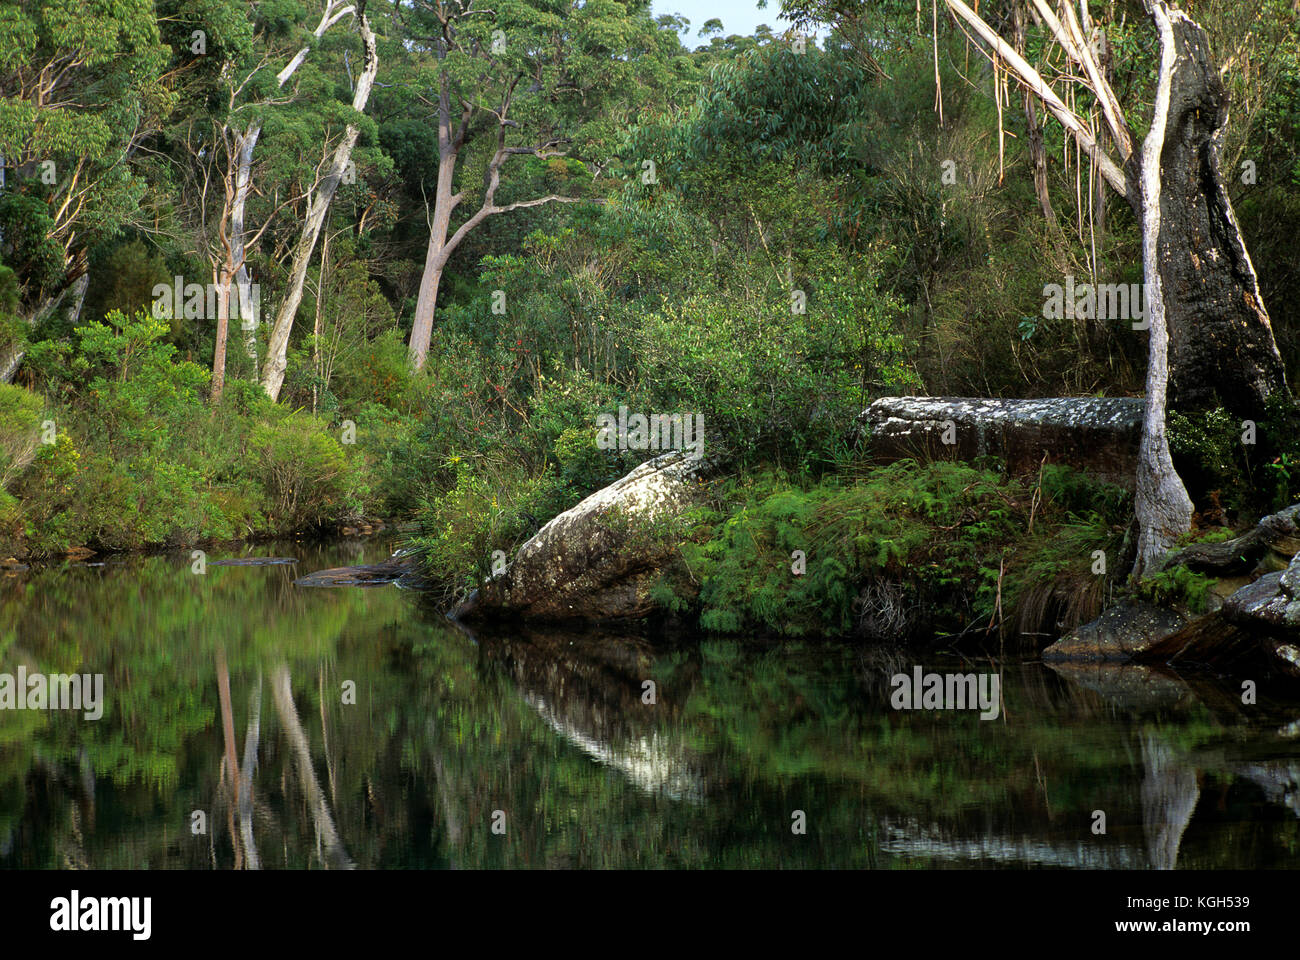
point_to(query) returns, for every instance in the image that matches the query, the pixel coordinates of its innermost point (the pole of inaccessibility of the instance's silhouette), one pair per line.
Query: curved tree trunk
(277, 348)
(437, 253)
(335, 856)
(245, 804)
(1161, 503)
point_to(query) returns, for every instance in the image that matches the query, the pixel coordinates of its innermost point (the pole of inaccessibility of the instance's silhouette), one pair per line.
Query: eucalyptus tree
(81, 86)
(1209, 333)
(253, 74)
(523, 79)
(339, 167)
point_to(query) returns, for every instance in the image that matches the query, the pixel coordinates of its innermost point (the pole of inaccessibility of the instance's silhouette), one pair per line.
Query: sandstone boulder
(1096, 434)
(598, 560)
(1123, 632)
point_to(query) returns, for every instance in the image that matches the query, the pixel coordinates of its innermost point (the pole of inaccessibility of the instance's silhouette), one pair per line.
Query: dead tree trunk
(1221, 339)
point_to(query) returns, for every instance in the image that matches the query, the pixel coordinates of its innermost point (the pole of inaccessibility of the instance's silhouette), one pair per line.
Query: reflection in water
(1169, 795)
(326, 834)
(554, 731)
(932, 841)
(1279, 780)
(650, 762)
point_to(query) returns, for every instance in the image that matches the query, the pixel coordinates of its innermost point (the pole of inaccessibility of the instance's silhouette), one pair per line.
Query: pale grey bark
(277, 348)
(441, 247)
(245, 802)
(243, 176)
(1161, 503)
(1169, 796)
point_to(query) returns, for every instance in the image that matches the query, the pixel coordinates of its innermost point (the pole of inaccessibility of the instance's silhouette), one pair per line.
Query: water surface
(548, 737)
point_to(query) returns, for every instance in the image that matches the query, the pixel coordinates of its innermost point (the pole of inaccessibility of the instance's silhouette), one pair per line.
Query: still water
(250, 723)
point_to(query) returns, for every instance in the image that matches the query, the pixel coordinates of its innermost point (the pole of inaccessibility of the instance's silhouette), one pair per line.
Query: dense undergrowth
(904, 550)
(772, 285)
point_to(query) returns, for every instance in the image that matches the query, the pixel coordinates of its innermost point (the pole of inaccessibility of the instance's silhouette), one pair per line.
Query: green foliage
(1251, 469)
(124, 280)
(20, 422)
(582, 465)
(1212, 442)
(482, 513)
(1179, 586)
(142, 458)
(306, 474)
(947, 532)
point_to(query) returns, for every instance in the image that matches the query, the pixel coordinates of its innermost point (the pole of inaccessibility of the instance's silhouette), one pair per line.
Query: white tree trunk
(435, 260)
(332, 13)
(1161, 503)
(243, 183)
(277, 348)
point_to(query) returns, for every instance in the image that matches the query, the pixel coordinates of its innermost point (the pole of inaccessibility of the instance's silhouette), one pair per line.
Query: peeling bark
(1220, 337)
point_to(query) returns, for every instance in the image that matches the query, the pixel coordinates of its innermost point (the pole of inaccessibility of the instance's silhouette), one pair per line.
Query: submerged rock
(598, 560)
(1097, 434)
(399, 569)
(1131, 686)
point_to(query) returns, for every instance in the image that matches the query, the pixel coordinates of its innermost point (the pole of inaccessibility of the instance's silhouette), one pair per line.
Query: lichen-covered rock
(598, 560)
(1290, 581)
(1095, 434)
(1123, 632)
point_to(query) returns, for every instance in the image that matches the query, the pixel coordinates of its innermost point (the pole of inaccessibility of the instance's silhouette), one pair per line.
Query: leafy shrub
(480, 514)
(305, 473)
(20, 422)
(950, 540)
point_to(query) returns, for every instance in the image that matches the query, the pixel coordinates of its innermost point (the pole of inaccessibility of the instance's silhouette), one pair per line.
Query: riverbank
(121, 450)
